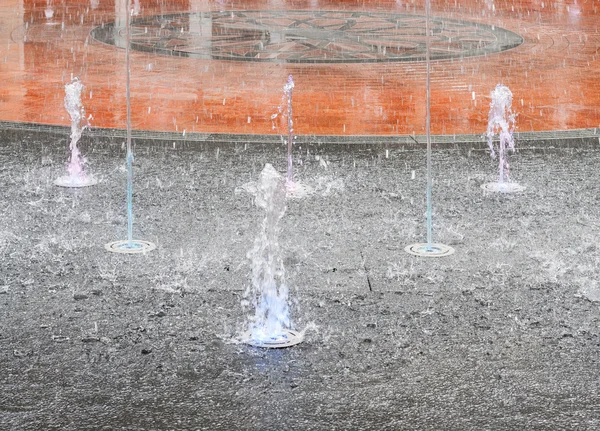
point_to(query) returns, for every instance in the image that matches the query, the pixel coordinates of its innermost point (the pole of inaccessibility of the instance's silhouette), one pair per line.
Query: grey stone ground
(503, 335)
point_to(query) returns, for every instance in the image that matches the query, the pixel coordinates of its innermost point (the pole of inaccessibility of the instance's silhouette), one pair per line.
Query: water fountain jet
(49, 12)
(129, 246)
(501, 122)
(287, 90)
(294, 189)
(77, 176)
(428, 249)
(270, 326)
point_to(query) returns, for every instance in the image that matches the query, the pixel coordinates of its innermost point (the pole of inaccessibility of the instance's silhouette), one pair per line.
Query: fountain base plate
(436, 250)
(136, 246)
(288, 339)
(502, 187)
(75, 182)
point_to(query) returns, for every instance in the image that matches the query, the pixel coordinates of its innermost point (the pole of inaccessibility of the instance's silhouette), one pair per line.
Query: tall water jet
(77, 176)
(129, 246)
(288, 88)
(285, 112)
(501, 123)
(270, 324)
(428, 249)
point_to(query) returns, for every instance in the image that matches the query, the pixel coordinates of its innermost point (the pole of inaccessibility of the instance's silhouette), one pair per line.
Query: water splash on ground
(321, 186)
(77, 176)
(268, 291)
(501, 124)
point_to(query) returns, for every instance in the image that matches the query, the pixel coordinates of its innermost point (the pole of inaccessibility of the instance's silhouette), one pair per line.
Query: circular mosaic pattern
(308, 36)
(435, 250)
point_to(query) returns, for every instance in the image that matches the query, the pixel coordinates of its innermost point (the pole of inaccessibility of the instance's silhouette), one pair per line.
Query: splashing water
(75, 109)
(136, 8)
(268, 292)
(77, 176)
(49, 11)
(501, 122)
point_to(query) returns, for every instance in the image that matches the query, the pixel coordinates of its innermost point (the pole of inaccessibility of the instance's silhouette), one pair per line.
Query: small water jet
(270, 326)
(501, 122)
(285, 109)
(49, 11)
(287, 91)
(428, 249)
(77, 176)
(129, 246)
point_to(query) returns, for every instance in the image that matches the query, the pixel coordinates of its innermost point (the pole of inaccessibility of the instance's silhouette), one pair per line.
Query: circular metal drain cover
(287, 339)
(67, 181)
(135, 246)
(435, 250)
(502, 187)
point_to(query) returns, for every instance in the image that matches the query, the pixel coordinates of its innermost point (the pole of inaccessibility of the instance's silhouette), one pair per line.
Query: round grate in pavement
(135, 246)
(287, 339)
(435, 250)
(67, 181)
(502, 187)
